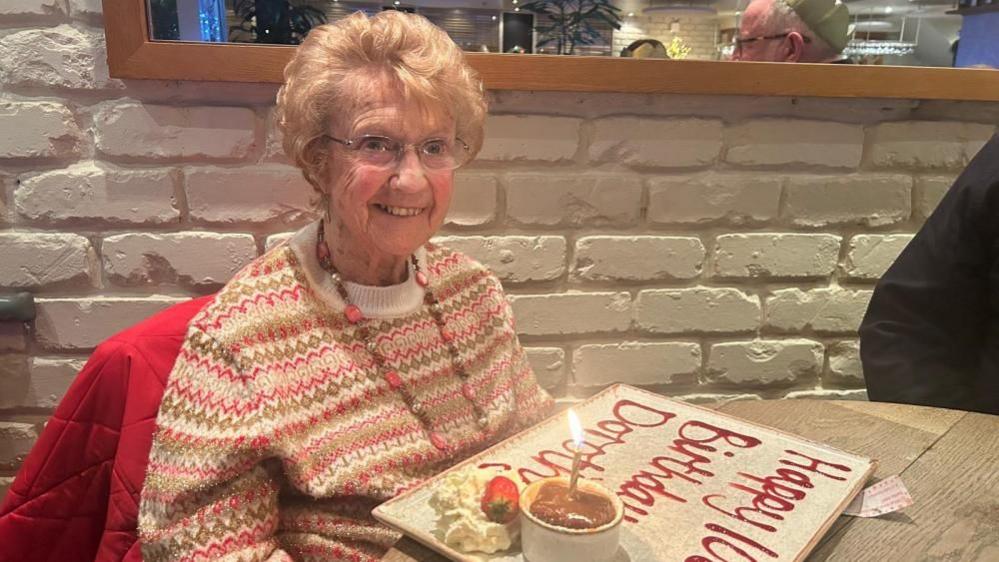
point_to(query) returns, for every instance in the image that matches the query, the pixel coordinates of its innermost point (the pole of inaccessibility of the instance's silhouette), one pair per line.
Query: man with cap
(793, 31)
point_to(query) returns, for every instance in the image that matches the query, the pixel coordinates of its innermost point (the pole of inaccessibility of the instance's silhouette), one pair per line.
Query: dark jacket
(931, 333)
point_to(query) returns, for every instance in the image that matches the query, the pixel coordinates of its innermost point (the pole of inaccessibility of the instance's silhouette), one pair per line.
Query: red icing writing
(627, 415)
(709, 543)
(815, 465)
(693, 435)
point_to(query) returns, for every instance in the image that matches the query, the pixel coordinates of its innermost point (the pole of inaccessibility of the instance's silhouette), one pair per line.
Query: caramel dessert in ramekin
(557, 527)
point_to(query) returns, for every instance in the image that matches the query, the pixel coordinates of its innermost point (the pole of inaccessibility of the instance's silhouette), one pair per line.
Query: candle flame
(576, 429)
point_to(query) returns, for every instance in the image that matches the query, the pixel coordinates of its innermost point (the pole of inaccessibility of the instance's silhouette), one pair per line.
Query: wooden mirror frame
(131, 54)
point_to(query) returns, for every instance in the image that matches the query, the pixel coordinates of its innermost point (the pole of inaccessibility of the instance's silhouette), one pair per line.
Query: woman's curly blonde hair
(339, 65)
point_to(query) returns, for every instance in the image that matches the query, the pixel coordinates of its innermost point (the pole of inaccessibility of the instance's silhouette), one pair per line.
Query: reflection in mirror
(880, 32)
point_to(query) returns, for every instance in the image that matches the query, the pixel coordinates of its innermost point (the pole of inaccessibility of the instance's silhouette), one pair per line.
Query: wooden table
(948, 459)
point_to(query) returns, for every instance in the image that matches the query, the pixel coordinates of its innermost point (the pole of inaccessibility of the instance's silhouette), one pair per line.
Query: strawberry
(500, 500)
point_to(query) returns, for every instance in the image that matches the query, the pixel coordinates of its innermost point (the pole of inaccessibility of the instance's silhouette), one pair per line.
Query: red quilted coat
(77, 496)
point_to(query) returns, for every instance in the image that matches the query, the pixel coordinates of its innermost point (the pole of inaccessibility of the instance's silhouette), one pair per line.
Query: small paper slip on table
(693, 481)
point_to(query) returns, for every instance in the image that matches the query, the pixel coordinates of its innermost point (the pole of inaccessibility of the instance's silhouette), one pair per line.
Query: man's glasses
(740, 41)
(385, 152)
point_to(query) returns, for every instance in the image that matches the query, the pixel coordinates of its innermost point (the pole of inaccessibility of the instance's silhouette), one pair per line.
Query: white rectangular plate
(694, 481)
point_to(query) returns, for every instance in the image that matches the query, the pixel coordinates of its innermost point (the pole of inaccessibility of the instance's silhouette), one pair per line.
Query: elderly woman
(357, 359)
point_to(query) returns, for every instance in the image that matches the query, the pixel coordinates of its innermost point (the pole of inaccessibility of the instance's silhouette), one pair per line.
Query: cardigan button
(468, 392)
(394, 380)
(354, 314)
(438, 441)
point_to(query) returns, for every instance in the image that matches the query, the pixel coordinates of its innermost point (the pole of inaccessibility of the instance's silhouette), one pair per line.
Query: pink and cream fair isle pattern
(276, 437)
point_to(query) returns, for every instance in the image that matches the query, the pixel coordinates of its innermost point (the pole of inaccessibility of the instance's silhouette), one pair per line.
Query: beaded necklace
(356, 318)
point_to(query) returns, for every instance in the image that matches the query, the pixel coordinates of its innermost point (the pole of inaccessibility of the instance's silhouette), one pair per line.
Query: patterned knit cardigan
(275, 438)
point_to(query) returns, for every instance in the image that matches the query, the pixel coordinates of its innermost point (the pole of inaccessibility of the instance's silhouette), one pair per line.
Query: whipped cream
(464, 526)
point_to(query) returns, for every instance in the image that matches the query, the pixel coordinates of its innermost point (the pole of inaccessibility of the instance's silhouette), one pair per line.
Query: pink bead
(354, 314)
(421, 279)
(323, 251)
(447, 336)
(394, 380)
(468, 392)
(437, 440)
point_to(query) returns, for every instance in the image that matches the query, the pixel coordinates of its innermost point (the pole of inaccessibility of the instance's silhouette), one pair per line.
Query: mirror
(928, 33)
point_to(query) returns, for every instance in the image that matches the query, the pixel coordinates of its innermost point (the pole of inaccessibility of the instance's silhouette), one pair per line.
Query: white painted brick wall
(831, 311)
(571, 313)
(711, 247)
(41, 129)
(636, 363)
(870, 255)
(34, 260)
(705, 198)
(697, 310)
(765, 361)
(666, 143)
(133, 130)
(776, 255)
(100, 193)
(553, 200)
(514, 258)
(187, 258)
(864, 200)
(638, 258)
(774, 142)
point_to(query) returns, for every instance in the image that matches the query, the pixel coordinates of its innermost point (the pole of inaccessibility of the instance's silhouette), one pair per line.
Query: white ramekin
(544, 542)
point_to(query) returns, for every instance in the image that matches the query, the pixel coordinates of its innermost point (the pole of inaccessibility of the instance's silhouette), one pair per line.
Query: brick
(548, 364)
(832, 311)
(97, 192)
(844, 361)
(864, 200)
(776, 255)
(664, 143)
(187, 258)
(83, 322)
(16, 439)
(12, 336)
(149, 131)
(777, 142)
(514, 258)
(14, 380)
(638, 258)
(38, 384)
(15, 9)
(530, 137)
(825, 394)
(925, 144)
(928, 192)
(765, 361)
(635, 363)
(271, 194)
(37, 130)
(473, 201)
(547, 200)
(697, 310)
(39, 260)
(54, 57)
(571, 313)
(704, 198)
(870, 255)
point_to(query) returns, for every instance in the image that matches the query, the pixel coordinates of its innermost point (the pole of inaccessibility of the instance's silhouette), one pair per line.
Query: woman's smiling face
(388, 211)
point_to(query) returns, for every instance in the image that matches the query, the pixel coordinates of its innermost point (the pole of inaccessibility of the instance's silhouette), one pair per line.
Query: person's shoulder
(267, 289)
(451, 266)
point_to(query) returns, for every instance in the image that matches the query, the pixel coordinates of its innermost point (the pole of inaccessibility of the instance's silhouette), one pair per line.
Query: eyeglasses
(385, 152)
(740, 41)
